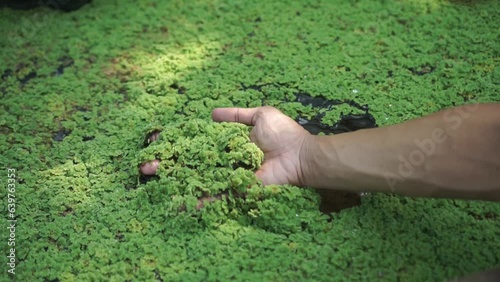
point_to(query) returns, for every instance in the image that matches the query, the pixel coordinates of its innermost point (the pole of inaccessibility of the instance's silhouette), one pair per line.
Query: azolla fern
(200, 160)
(207, 170)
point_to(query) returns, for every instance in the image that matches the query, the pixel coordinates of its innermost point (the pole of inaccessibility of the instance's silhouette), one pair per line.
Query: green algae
(100, 76)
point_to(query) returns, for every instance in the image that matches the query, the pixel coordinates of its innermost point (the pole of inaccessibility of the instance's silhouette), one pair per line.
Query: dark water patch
(422, 70)
(4, 129)
(61, 134)
(83, 109)
(348, 122)
(355, 122)
(143, 179)
(120, 237)
(6, 73)
(158, 275)
(242, 165)
(67, 211)
(21, 5)
(64, 62)
(335, 201)
(65, 5)
(28, 77)
(151, 137)
(180, 89)
(88, 138)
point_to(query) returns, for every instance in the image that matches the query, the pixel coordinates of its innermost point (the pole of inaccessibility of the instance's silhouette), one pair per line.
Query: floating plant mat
(79, 89)
(204, 161)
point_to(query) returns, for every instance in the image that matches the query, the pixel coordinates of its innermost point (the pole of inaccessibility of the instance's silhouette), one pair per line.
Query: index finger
(240, 115)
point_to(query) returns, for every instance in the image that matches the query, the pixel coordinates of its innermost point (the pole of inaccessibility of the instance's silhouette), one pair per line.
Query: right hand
(283, 141)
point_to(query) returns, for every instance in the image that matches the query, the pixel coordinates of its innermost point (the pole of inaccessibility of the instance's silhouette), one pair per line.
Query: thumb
(240, 115)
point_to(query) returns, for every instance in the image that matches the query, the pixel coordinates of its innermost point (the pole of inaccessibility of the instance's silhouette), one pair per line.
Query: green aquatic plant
(215, 163)
(200, 158)
(80, 91)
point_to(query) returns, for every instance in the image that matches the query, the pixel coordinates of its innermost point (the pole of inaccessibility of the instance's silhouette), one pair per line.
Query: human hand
(286, 146)
(283, 141)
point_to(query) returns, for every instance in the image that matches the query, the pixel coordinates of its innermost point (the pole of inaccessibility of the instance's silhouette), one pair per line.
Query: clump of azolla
(200, 160)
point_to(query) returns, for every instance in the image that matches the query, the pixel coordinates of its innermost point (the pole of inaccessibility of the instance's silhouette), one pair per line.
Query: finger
(150, 167)
(240, 115)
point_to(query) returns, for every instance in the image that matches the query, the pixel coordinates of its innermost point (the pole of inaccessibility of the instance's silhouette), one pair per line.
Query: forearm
(453, 153)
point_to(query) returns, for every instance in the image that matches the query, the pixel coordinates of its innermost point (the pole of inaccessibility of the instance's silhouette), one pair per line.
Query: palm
(281, 139)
